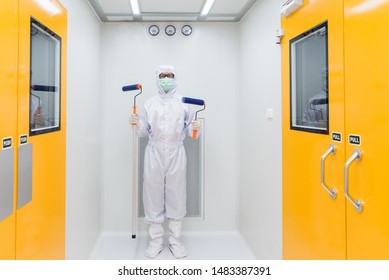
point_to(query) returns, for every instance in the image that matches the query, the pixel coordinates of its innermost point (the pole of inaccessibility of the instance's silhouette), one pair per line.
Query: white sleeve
(143, 127)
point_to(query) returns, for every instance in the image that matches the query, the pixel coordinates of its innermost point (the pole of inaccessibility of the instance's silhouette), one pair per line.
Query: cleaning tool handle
(194, 134)
(134, 181)
(134, 112)
(131, 87)
(194, 101)
(134, 160)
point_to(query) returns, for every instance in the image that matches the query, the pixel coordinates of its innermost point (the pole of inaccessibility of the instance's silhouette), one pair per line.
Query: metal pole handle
(331, 191)
(134, 176)
(358, 204)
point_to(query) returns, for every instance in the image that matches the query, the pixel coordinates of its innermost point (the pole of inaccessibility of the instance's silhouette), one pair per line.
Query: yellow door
(367, 115)
(8, 115)
(313, 119)
(40, 226)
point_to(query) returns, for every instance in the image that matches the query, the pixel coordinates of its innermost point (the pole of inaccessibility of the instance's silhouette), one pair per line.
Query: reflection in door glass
(309, 81)
(44, 79)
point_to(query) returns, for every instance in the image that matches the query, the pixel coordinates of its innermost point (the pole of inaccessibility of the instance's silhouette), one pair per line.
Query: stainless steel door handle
(331, 191)
(358, 204)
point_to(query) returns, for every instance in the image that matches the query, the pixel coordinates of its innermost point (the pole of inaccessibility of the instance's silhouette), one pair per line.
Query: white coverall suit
(165, 120)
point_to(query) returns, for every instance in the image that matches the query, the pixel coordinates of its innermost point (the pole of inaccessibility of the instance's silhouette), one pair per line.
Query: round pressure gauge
(186, 30)
(170, 30)
(153, 30)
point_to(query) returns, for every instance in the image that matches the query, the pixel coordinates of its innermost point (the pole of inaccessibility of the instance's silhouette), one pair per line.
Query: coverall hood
(166, 68)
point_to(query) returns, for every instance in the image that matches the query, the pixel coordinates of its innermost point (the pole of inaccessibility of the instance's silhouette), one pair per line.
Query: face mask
(166, 83)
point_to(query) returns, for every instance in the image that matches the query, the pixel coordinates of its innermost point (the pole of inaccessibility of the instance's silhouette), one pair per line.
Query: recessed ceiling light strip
(207, 8)
(135, 7)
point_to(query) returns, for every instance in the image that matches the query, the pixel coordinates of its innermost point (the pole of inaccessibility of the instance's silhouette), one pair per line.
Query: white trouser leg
(156, 243)
(176, 186)
(153, 187)
(175, 245)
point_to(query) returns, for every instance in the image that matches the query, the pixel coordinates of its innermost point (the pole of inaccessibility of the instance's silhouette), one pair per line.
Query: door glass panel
(44, 79)
(309, 81)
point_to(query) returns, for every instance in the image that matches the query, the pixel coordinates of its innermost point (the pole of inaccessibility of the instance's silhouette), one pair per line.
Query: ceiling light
(135, 7)
(207, 7)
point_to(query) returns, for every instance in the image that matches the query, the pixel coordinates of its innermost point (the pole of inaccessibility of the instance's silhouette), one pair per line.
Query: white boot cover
(156, 243)
(175, 245)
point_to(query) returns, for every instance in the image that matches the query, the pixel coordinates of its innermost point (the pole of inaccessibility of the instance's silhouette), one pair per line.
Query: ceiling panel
(211, 18)
(171, 6)
(120, 18)
(168, 18)
(228, 6)
(171, 10)
(115, 6)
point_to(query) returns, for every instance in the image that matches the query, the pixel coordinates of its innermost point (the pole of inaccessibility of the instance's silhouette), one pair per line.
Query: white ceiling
(171, 10)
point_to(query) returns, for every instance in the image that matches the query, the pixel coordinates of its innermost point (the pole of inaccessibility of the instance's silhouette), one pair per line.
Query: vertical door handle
(358, 204)
(331, 191)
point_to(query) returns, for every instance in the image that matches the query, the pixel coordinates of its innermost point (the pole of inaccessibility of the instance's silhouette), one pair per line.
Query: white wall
(208, 68)
(260, 189)
(83, 206)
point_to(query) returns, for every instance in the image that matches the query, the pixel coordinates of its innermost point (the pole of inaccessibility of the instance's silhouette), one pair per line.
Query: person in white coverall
(166, 121)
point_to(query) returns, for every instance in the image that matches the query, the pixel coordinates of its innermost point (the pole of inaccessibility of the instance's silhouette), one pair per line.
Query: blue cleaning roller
(194, 101)
(133, 87)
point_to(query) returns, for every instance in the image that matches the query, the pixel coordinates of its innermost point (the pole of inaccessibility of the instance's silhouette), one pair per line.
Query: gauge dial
(153, 30)
(186, 30)
(170, 30)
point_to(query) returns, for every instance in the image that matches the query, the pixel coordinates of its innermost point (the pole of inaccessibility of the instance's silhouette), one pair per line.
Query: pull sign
(7, 143)
(23, 139)
(336, 137)
(354, 139)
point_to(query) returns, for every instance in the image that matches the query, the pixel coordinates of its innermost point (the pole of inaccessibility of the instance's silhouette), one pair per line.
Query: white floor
(199, 246)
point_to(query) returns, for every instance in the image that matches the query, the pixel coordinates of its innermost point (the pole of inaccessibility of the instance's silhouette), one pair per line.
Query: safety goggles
(164, 75)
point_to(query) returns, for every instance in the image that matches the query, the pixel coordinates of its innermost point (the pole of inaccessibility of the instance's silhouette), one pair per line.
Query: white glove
(134, 119)
(196, 125)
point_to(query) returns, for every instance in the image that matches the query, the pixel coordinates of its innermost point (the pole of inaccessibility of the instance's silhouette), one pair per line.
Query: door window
(44, 79)
(309, 81)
